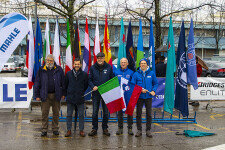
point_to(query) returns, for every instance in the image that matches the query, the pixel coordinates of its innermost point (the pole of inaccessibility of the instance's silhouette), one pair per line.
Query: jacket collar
(45, 67)
(141, 72)
(123, 69)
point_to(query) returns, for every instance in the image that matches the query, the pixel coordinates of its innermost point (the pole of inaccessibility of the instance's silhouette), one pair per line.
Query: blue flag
(151, 48)
(181, 97)
(140, 49)
(191, 61)
(130, 49)
(38, 49)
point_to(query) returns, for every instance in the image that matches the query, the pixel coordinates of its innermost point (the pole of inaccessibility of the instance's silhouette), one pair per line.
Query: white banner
(209, 89)
(14, 92)
(13, 28)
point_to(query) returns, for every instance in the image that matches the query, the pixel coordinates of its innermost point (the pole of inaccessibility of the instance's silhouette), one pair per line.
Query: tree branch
(63, 4)
(85, 3)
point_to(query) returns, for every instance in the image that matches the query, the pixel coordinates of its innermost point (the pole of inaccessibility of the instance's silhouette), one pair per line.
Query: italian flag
(111, 94)
(69, 62)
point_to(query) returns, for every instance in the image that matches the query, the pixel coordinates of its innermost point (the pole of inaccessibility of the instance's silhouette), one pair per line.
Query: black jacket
(160, 69)
(99, 75)
(76, 85)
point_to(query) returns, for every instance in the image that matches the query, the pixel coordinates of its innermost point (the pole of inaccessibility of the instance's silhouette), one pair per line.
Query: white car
(9, 66)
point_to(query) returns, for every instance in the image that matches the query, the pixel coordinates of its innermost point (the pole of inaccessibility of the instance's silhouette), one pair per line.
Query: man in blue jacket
(145, 78)
(100, 73)
(127, 74)
(76, 85)
(49, 88)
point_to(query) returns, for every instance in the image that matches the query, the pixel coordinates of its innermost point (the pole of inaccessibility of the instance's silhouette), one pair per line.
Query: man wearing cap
(145, 78)
(127, 74)
(100, 73)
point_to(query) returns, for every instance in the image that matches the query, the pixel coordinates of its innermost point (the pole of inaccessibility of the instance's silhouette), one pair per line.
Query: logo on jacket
(128, 76)
(149, 76)
(105, 71)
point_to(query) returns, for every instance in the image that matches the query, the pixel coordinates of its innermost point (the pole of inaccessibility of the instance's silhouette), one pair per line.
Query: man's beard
(50, 65)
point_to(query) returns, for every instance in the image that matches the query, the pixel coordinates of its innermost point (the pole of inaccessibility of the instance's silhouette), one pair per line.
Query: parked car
(9, 66)
(24, 72)
(215, 69)
(19, 60)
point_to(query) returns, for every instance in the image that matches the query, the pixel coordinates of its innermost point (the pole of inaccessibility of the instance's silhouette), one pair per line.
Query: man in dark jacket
(145, 78)
(76, 85)
(100, 73)
(161, 67)
(50, 89)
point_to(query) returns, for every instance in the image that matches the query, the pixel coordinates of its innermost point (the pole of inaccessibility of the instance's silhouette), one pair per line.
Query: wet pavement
(21, 130)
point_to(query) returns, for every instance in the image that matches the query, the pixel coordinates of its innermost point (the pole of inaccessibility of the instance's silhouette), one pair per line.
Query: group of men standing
(51, 86)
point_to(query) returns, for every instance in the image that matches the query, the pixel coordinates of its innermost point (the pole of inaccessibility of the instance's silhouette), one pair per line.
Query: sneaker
(130, 132)
(82, 134)
(139, 133)
(43, 134)
(120, 131)
(106, 132)
(56, 132)
(68, 133)
(92, 133)
(148, 134)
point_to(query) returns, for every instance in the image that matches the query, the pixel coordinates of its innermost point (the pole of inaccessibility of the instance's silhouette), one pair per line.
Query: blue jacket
(126, 73)
(146, 80)
(41, 83)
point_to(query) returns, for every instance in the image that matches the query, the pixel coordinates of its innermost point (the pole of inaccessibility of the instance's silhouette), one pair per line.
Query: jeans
(120, 120)
(96, 102)
(148, 106)
(70, 108)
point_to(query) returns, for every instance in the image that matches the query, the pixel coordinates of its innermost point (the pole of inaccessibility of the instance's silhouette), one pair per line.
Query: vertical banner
(14, 92)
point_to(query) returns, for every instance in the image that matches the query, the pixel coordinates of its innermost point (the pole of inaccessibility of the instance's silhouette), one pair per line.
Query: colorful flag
(151, 47)
(191, 61)
(38, 53)
(97, 46)
(140, 52)
(170, 70)
(131, 94)
(130, 49)
(69, 64)
(56, 52)
(87, 51)
(181, 96)
(47, 42)
(111, 94)
(106, 44)
(30, 56)
(122, 47)
(76, 52)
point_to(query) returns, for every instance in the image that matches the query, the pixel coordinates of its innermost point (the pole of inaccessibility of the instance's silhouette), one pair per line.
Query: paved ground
(21, 130)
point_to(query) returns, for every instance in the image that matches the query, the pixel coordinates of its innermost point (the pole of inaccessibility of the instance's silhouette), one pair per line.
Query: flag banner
(69, 64)
(13, 28)
(122, 47)
(151, 48)
(87, 51)
(30, 54)
(209, 89)
(14, 92)
(170, 70)
(97, 46)
(131, 93)
(38, 53)
(47, 42)
(181, 96)
(130, 49)
(76, 52)
(56, 52)
(191, 61)
(140, 52)
(111, 94)
(106, 44)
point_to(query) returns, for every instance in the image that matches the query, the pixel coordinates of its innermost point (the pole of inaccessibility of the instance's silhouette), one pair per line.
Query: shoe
(130, 132)
(148, 134)
(92, 133)
(56, 132)
(139, 133)
(120, 131)
(106, 132)
(82, 134)
(68, 133)
(43, 134)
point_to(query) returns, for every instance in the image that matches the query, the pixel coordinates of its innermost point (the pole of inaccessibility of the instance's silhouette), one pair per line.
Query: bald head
(123, 63)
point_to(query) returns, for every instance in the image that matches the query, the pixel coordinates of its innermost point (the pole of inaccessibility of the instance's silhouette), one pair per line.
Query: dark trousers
(96, 99)
(80, 109)
(45, 107)
(120, 120)
(148, 106)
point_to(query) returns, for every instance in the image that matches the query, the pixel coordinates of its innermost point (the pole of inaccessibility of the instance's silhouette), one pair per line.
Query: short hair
(124, 58)
(77, 59)
(50, 56)
(100, 54)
